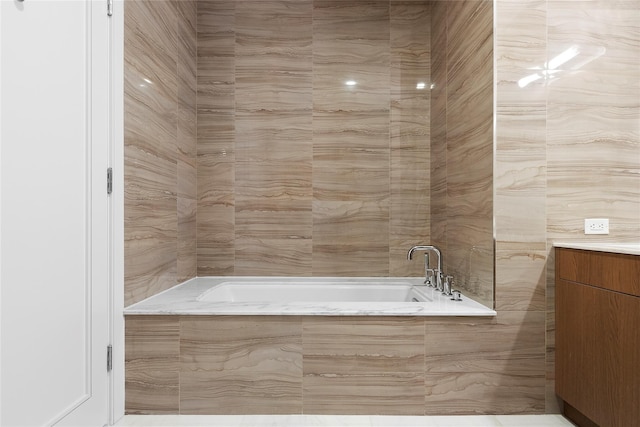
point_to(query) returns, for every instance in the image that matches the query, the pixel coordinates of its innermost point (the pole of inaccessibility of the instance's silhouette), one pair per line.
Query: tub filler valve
(448, 285)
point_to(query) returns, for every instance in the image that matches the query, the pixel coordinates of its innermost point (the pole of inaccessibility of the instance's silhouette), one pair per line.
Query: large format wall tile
(363, 366)
(150, 162)
(485, 366)
(522, 277)
(462, 143)
(351, 137)
(152, 357)
(160, 146)
(240, 365)
(593, 118)
(521, 166)
(298, 173)
(216, 137)
(438, 125)
(187, 144)
(273, 138)
(470, 147)
(409, 221)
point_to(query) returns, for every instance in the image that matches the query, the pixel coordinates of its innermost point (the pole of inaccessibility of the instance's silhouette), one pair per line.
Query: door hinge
(109, 358)
(109, 7)
(109, 180)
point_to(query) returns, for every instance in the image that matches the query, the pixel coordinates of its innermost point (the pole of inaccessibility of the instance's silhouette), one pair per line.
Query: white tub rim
(182, 300)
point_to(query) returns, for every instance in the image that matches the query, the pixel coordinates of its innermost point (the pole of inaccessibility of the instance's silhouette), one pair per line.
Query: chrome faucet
(448, 286)
(438, 272)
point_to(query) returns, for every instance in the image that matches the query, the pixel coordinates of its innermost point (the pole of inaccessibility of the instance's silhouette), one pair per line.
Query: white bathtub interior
(315, 291)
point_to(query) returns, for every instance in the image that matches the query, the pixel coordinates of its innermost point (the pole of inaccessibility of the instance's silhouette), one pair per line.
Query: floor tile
(533, 421)
(343, 421)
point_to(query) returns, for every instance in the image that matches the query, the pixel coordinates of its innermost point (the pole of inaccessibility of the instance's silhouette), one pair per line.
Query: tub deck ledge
(185, 299)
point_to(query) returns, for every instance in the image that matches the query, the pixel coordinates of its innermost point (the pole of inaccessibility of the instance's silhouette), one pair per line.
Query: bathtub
(319, 296)
(256, 345)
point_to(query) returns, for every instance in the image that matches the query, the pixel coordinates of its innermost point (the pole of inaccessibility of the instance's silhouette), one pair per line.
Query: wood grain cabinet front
(598, 337)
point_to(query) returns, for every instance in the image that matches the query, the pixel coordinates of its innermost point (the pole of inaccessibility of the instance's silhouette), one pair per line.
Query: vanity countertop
(619, 248)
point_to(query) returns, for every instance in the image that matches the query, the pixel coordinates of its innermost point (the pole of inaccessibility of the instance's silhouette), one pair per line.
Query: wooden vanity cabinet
(598, 337)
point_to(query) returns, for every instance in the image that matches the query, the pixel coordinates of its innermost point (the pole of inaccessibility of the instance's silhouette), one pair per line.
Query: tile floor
(343, 420)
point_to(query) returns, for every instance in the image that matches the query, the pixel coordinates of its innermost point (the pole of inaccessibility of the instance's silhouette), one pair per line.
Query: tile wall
(160, 145)
(335, 365)
(568, 146)
(298, 173)
(462, 142)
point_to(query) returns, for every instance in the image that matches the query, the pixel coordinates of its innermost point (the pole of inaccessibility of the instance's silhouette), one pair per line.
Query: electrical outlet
(596, 226)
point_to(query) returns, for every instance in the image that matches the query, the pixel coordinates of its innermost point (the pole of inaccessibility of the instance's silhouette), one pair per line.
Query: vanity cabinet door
(598, 353)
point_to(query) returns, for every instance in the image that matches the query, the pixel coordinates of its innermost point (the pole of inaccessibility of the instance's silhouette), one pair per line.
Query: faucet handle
(456, 296)
(448, 285)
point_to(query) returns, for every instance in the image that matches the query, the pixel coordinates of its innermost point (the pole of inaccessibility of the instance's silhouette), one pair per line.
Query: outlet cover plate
(596, 226)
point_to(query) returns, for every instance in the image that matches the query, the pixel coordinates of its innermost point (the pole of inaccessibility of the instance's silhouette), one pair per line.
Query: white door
(54, 267)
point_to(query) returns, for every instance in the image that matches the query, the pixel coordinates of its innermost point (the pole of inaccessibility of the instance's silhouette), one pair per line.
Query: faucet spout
(438, 273)
(424, 248)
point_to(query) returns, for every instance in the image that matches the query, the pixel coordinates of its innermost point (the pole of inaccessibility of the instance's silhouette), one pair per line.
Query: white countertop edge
(612, 247)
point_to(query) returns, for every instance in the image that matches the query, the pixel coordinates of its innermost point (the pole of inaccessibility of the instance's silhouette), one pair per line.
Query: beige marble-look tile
(471, 266)
(354, 365)
(216, 204)
(239, 365)
(151, 222)
(156, 20)
(438, 125)
(216, 88)
(187, 240)
(160, 144)
(484, 393)
(469, 152)
(469, 49)
(492, 366)
(150, 77)
(216, 42)
(520, 173)
(152, 350)
(604, 33)
(186, 37)
(580, 144)
(348, 174)
(522, 279)
(187, 100)
(186, 180)
(521, 36)
(520, 169)
(350, 42)
(409, 219)
(274, 56)
(350, 238)
(216, 236)
(273, 242)
(215, 29)
(593, 119)
(264, 137)
(274, 193)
